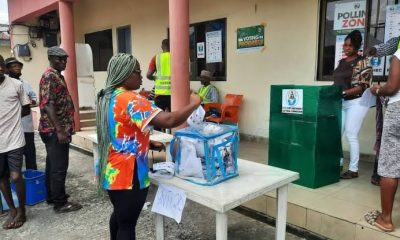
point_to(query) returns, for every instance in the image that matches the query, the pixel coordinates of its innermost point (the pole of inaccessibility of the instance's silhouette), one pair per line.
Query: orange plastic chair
(229, 109)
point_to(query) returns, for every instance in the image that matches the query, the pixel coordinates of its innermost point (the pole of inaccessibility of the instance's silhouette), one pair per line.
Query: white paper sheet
(170, 202)
(367, 99)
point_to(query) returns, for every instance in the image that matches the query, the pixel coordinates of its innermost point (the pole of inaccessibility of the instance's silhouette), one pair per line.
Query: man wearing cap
(14, 68)
(56, 126)
(14, 104)
(208, 92)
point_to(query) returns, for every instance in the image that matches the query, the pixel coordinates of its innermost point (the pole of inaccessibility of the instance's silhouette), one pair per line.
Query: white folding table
(254, 180)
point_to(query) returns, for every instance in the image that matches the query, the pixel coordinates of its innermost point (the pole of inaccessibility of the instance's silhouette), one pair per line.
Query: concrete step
(88, 123)
(91, 128)
(87, 114)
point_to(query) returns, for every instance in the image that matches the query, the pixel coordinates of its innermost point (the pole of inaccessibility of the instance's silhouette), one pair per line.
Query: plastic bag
(190, 165)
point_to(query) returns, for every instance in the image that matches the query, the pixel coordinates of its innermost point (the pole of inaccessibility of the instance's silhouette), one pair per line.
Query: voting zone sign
(349, 15)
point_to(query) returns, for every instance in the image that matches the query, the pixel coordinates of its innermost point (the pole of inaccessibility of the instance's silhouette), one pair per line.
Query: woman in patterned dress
(123, 120)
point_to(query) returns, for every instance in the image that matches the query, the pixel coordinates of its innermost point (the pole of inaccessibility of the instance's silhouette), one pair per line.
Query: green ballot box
(305, 132)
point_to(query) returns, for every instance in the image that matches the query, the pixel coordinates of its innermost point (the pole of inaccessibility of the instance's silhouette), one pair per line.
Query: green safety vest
(163, 78)
(203, 93)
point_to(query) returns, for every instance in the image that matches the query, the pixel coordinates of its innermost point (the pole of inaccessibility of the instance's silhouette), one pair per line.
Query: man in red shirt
(56, 127)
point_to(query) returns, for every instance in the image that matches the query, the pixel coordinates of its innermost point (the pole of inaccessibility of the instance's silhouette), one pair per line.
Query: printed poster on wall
(214, 47)
(349, 15)
(250, 38)
(339, 54)
(200, 50)
(292, 101)
(392, 28)
(378, 65)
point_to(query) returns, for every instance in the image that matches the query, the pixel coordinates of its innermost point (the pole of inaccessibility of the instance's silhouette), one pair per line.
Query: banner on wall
(250, 38)
(349, 15)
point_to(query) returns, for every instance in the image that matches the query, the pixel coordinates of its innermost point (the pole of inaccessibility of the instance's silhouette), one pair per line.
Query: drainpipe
(68, 43)
(179, 44)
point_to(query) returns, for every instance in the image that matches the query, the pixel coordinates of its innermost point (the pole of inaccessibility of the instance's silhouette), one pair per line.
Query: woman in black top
(353, 75)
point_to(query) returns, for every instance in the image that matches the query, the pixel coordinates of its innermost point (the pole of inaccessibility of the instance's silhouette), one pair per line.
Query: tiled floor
(335, 211)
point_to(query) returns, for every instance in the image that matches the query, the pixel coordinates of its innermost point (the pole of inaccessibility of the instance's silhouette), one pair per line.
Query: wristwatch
(344, 94)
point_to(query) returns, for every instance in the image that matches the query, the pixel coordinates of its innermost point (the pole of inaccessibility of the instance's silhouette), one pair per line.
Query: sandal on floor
(385, 229)
(68, 207)
(371, 217)
(349, 175)
(375, 182)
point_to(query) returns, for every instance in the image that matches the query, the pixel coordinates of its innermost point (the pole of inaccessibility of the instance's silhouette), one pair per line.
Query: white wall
(290, 55)
(5, 52)
(36, 65)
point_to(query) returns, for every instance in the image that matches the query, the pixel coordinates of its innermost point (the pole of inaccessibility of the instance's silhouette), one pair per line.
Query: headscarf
(119, 69)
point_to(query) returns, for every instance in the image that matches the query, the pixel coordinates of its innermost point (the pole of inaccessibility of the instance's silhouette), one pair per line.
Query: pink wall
(23, 10)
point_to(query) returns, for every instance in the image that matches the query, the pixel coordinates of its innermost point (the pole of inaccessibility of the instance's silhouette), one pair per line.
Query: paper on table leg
(170, 202)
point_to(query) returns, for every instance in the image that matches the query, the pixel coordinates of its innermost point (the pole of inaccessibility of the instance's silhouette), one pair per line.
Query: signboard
(250, 38)
(200, 50)
(349, 15)
(392, 28)
(292, 101)
(214, 47)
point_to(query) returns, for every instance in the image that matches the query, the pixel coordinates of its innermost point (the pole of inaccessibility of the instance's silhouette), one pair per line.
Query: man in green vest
(207, 92)
(160, 72)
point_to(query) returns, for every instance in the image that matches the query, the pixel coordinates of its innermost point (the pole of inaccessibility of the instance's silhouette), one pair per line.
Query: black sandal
(68, 207)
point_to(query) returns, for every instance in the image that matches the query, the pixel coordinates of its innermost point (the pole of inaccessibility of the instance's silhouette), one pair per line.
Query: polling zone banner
(349, 15)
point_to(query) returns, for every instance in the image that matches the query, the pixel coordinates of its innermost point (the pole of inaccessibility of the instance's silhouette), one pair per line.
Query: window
(124, 39)
(207, 48)
(340, 17)
(102, 48)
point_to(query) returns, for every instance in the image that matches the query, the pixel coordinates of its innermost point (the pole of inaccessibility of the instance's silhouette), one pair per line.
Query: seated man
(208, 92)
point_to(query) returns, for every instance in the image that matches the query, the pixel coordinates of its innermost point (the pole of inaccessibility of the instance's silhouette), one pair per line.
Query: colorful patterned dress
(129, 116)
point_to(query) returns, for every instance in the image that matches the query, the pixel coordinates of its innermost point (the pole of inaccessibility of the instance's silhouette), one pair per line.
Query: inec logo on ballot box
(292, 101)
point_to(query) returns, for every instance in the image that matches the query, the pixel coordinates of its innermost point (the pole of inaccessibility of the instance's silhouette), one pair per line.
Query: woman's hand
(375, 89)
(195, 99)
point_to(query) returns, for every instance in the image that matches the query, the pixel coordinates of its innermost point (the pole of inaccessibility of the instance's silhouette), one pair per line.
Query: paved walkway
(91, 222)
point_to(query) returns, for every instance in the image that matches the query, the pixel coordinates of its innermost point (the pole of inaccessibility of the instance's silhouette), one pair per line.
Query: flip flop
(371, 217)
(385, 229)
